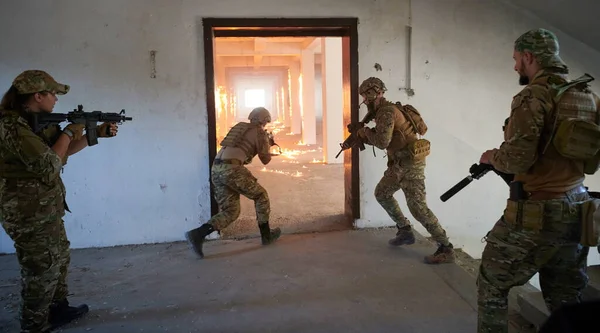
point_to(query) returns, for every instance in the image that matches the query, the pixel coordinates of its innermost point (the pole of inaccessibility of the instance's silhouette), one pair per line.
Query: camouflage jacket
(381, 135)
(27, 163)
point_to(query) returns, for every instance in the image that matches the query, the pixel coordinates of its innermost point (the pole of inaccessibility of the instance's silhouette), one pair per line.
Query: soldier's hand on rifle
(353, 127)
(271, 138)
(486, 156)
(74, 131)
(361, 133)
(107, 130)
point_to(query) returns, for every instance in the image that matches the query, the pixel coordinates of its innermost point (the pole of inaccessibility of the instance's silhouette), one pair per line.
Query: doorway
(242, 72)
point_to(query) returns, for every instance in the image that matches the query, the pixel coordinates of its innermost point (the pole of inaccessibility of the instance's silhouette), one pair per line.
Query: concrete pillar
(287, 99)
(295, 92)
(309, 124)
(333, 98)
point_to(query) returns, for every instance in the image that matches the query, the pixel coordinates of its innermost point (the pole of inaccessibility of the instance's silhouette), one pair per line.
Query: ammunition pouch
(524, 215)
(590, 222)
(579, 139)
(419, 149)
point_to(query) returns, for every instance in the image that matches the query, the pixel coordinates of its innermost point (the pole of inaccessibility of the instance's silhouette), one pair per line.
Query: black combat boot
(267, 234)
(61, 313)
(443, 255)
(404, 236)
(195, 237)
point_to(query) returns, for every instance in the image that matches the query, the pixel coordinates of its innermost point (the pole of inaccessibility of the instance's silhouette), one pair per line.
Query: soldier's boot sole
(444, 255)
(62, 314)
(196, 237)
(268, 235)
(402, 238)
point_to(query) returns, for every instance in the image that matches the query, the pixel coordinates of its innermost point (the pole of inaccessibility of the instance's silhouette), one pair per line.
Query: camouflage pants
(32, 218)
(229, 182)
(410, 178)
(515, 252)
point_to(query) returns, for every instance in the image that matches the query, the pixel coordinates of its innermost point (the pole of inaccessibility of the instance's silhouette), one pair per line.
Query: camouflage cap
(543, 44)
(32, 81)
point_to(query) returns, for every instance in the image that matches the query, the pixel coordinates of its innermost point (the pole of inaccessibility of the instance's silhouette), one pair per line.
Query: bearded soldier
(231, 178)
(397, 129)
(551, 141)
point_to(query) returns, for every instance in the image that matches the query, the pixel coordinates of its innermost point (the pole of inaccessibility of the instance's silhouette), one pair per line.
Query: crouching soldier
(231, 178)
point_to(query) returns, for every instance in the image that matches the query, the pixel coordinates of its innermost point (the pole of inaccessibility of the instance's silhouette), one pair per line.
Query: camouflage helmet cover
(260, 115)
(372, 83)
(544, 45)
(33, 81)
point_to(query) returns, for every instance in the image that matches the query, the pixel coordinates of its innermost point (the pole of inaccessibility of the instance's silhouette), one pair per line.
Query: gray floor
(344, 281)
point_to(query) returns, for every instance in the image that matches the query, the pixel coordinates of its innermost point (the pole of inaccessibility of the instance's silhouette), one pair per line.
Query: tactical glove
(103, 131)
(74, 131)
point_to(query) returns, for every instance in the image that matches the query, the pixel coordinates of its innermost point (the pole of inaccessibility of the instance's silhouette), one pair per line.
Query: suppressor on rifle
(456, 188)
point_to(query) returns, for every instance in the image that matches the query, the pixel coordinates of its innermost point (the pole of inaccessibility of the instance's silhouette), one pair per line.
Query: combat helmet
(371, 87)
(260, 115)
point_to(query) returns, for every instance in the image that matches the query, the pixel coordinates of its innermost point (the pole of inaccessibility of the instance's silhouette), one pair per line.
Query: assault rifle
(476, 171)
(273, 143)
(78, 116)
(353, 139)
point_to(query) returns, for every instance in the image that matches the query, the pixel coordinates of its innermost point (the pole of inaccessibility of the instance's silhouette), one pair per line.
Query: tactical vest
(236, 137)
(575, 130)
(407, 131)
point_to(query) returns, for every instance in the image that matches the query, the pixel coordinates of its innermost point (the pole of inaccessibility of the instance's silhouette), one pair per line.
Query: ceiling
(578, 18)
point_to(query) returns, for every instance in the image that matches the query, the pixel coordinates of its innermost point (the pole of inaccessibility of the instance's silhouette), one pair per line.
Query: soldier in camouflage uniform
(540, 230)
(231, 178)
(395, 132)
(32, 198)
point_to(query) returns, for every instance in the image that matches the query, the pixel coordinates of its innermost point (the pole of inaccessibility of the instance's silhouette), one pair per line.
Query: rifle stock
(476, 171)
(78, 116)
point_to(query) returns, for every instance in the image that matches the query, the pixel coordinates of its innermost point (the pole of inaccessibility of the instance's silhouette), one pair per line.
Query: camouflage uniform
(393, 132)
(231, 179)
(540, 233)
(32, 204)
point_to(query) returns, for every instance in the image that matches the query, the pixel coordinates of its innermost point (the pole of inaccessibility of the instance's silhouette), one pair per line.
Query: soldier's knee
(235, 213)
(381, 195)
(420, 211)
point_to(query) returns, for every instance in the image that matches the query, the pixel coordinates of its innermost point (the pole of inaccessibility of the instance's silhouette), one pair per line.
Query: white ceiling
(578, 18)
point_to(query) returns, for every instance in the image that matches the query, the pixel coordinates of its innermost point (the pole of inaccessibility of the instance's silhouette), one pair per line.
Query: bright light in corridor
(254, 98)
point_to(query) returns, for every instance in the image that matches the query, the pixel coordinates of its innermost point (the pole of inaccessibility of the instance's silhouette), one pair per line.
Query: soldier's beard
(523, 80)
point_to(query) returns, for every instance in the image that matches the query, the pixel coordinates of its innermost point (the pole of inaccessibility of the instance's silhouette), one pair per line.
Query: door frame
(345, 27)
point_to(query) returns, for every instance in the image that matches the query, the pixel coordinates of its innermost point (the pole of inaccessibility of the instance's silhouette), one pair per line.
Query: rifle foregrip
(456, 188)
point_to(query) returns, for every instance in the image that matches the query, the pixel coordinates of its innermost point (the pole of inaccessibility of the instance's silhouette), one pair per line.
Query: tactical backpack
(420, 148)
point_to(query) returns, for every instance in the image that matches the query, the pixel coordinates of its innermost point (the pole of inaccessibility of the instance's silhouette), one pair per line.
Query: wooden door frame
(346, 27)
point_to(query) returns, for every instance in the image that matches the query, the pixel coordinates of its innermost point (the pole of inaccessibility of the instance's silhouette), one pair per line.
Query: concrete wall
(150, 184)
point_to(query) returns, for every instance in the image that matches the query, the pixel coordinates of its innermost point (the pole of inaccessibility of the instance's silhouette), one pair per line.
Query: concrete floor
(299, 177)
(344, 281)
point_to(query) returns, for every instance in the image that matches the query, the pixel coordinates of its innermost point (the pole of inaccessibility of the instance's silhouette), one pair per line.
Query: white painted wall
(151, 184)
